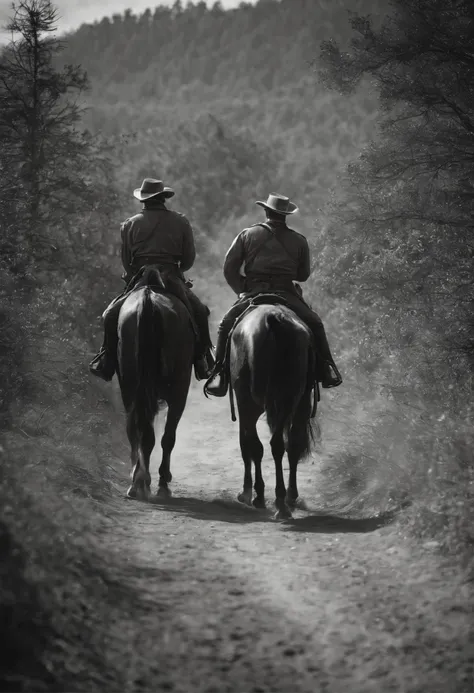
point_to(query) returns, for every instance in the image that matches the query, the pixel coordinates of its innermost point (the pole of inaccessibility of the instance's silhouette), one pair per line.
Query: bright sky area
(73, 13)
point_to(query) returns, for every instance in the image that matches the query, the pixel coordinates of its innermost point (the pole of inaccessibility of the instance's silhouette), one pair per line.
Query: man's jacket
(157, 235)
(276, 257)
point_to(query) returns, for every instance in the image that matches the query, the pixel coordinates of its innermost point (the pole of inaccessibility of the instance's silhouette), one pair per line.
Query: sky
(73, 13)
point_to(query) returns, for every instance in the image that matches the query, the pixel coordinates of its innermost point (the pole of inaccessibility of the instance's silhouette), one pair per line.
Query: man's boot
(217, 383)
(204, 365)
(330, 376)
(204, 360)
(103, 365)
(327, 370)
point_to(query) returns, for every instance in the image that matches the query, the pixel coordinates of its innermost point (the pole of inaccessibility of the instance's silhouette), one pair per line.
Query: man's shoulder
(133, 219)
(249, 233)
(178, 216)
(300, 236)
(254, 229)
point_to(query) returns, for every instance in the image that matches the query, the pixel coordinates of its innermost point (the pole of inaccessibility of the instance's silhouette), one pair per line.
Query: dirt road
(238, 602)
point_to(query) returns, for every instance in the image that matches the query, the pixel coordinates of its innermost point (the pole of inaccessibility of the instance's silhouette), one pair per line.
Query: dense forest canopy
(262, 46)
(163, 79)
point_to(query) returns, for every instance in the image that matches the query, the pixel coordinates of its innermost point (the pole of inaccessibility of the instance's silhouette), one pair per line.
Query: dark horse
(272, 371)
(155, 357)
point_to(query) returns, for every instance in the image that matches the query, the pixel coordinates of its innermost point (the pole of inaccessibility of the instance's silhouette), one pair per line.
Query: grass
(62, 460)
(381, 456)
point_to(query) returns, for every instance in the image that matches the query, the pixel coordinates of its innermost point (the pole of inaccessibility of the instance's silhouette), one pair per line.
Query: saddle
(160, 281)
(260, 299)
(267, 299)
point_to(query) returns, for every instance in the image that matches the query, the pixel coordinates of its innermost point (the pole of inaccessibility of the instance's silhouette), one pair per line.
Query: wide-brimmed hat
(150, 188)
(278, 203)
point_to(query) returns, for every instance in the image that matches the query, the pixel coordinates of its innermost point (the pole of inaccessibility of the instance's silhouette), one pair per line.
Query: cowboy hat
(278, 203)
(150, 188)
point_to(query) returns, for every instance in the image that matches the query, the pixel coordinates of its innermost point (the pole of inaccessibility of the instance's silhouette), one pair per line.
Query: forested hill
(229, 93)
(259, 46)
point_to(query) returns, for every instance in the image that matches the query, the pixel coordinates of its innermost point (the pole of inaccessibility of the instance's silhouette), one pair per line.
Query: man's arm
(232, 264)
(126, 254)
(304, 263)
(188, 253)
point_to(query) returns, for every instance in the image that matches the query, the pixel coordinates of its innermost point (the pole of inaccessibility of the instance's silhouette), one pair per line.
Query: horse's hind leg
(278, 450)
(259, 486)
(168, 440)
(293, 459)
(297, 447)
(295, 453)
(132, 434)
(141, 443)
(146, 448)
(252, 450)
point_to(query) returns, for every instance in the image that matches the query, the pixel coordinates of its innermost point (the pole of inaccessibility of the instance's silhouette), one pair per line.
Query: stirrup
(219, 389)
(100, 369)
(335, 380)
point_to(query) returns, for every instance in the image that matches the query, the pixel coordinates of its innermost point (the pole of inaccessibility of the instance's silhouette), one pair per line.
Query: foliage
(409, 203)
(166, 75)
(53, 169)
(175, 46)
(53, 205)
(399, 232)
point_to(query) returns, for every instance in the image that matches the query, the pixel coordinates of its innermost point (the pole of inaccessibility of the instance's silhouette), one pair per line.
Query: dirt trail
(239, 602)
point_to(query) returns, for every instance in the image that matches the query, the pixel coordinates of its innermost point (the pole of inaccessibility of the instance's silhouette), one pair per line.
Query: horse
(272, 370)
(154, 365)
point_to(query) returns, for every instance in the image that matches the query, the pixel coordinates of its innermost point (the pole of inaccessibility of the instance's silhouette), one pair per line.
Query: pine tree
(52, 163)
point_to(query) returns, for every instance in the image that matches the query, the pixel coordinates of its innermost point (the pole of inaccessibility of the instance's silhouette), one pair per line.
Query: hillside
(261, 46)
(167, 76)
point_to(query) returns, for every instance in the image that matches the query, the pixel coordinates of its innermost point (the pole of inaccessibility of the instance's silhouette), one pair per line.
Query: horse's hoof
(163, 492)
(301, 504)
(131, 493)
(245, 497)
(291, 502)
(283, 515)
(259, 503)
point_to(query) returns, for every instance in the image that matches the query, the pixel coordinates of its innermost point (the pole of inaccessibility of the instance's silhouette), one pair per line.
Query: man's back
(279, 252)
(157, 234)
(267, 250)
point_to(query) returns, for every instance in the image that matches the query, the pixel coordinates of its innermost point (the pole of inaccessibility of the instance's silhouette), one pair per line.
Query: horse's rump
(151, 326)
(272, 358)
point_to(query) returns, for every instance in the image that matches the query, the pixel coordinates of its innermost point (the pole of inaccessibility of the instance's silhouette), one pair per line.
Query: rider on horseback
(273, 257)
(163, 238)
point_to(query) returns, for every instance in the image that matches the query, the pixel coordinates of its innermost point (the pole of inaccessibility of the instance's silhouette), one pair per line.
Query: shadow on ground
(231, 511)
(216, 509)
(329, 524)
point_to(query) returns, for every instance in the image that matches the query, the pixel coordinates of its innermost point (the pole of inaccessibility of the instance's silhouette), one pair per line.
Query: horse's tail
(288, 360)
(149, 345)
